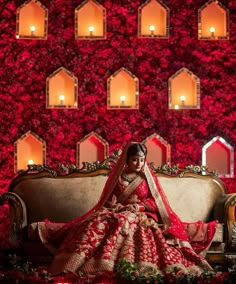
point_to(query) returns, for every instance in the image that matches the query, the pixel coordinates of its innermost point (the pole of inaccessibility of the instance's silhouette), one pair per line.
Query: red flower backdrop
(25, 65)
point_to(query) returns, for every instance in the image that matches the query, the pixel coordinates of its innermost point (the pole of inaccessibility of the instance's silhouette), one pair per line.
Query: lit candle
(91, 30)
(30, 162)
(182, 98)
(176, 106)
(152, 29)
(32, 29)
(61, 98)
(212, 30)
(122, 99)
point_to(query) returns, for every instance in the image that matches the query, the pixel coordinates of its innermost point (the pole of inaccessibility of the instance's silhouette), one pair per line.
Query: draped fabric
(132, 222)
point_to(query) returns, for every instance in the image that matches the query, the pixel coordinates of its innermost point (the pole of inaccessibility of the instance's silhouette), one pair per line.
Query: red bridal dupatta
(174, 227)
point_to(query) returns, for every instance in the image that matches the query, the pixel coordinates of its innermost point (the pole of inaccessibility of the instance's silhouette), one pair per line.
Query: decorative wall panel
(91, 148)
(123, 90)
(159, 150)
(184, 90)
(90, 20)
(218, 155)
(153, 20)
(32, 20)
(213, 21)
(29, 149)
(62, 89)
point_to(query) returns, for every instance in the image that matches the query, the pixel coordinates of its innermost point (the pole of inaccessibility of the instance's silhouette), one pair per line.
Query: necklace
(128, 179)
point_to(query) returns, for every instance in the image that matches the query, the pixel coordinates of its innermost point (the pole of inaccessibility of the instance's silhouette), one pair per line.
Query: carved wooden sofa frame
(23, 213)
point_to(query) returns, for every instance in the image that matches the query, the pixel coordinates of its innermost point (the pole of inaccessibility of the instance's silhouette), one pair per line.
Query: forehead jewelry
(140, 153)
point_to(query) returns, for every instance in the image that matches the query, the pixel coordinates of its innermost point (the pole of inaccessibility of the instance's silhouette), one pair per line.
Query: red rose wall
(25, 65)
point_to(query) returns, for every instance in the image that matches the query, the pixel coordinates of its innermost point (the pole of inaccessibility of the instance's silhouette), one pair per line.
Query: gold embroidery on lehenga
(156, 196)
(129, 189)
(111, 235)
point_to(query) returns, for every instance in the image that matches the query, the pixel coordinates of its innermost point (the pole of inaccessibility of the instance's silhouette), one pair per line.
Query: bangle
(141, 207)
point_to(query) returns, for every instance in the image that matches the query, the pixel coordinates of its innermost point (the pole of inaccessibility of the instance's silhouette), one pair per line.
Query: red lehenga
(131, 222)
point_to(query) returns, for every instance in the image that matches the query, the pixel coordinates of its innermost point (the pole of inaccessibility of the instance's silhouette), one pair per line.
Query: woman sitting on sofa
(132, 221)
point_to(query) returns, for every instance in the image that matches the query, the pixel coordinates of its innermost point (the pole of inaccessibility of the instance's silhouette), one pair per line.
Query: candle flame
(123, 98)
(30, 162)
(152, 28)
(33, 28)
(212, 29)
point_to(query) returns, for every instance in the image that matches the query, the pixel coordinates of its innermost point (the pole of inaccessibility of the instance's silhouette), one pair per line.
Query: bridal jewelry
(128, 179)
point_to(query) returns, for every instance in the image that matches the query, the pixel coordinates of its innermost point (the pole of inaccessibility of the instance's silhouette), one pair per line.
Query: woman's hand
(131, 207)
(112, 202)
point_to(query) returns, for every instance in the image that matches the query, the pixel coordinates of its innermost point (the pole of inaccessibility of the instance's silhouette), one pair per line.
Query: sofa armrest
(224, 212)
(18, 217)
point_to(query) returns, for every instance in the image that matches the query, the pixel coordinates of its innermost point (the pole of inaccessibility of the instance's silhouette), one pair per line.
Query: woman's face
(136, 163)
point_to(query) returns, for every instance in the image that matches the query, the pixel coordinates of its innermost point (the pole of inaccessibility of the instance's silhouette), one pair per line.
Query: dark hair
(134, 149)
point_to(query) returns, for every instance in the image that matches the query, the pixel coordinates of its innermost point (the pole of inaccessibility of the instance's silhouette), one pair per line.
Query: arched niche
(90, 20)
(218, 155)
(32, 20)
(158, 150)
(61, 89)
(184, 90)
(213, 21)
(122, 90)
(29, 149)
(91, 148)
(153, 19)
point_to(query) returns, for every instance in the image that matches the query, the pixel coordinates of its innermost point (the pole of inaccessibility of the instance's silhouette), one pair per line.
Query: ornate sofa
(42, 193)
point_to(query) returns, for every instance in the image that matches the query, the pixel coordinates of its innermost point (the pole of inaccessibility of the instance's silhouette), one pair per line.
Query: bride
(132, 221)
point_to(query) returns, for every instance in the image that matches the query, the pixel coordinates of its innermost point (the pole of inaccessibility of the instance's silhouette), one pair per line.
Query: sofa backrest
(61, 198)
(192, 198)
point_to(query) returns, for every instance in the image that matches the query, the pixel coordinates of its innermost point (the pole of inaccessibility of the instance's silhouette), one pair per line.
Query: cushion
(192, 199)
(60, 200)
